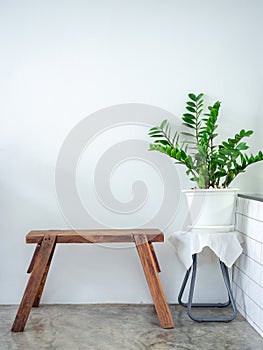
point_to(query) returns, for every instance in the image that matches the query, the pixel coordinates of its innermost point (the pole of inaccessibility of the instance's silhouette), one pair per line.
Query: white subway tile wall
(248, 269)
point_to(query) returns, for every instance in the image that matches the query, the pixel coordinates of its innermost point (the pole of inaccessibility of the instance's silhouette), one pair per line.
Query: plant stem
(196, 125)
(168, 139)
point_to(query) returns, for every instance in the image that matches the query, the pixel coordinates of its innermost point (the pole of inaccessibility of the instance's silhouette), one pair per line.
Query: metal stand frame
(190, 303)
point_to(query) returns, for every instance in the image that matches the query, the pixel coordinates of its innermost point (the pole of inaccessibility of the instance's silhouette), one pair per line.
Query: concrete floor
(120, 327)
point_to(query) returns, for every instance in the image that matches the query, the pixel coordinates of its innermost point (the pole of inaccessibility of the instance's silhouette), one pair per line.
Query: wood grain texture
(154, 283)
(34, 282)
(44, 278)
(155, 257)
(95, 236)
(33, 260)
(46, 241)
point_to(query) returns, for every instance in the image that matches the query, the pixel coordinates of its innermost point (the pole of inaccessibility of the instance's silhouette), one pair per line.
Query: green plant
(208, 164)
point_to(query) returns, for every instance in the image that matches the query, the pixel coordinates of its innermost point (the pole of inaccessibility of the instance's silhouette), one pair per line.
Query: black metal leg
(230, 294)
(183, 288)
(190, 303)
(186, 277)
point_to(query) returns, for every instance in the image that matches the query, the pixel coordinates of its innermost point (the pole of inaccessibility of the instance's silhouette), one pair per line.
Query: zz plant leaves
(207, 164)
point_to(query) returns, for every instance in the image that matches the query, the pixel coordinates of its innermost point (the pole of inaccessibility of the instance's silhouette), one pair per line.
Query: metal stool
(190, 303)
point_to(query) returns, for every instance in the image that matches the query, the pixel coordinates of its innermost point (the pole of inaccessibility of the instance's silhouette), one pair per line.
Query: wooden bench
(46, 242)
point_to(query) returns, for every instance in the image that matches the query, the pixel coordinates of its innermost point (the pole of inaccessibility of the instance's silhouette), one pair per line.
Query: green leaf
(167, 130)
(249, 133)
(189, 126)
(214, 112)
(196, 150)
(156, 135)
(194, 179)
(188, 120)
(242, 133)
(157, 131)
(151, 147)
(183, 155)
(152, 132)
(163, 123)
(173, 153)
(192, 97)
(164, 142)
(242, 146)
(188, 115)
(178, 155)
(221, 173)
(201, 181)
(199, 96)
(168, 150)
(187, 134)
(231, 142)
(190, 109)
(175, 138)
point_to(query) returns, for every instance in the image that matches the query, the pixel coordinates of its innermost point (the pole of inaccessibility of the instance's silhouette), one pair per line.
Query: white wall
(248, 269)
(62, 61)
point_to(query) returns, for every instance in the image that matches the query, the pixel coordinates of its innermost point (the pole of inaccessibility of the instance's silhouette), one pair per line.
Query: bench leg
(151, 273)
(30, 269)
(33, 260)
(154, 257)
(44, 278)
(34, 282)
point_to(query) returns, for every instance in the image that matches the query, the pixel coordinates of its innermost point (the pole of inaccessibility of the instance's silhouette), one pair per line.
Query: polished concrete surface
(120, 327)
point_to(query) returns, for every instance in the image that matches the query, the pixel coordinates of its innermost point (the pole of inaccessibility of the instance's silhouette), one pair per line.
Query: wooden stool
(46, 242)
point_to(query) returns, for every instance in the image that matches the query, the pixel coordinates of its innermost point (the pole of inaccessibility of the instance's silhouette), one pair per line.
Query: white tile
(237, 293)
(239, 206)
(239, 222)
(250, 310)
(252, 209)
(251, 268)
(260, 211)
(250, 288)
(255, 326)
(250, 227)
(242, 204)
(252, 248)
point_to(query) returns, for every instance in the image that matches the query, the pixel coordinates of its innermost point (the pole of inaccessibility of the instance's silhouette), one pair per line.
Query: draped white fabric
(226, 245)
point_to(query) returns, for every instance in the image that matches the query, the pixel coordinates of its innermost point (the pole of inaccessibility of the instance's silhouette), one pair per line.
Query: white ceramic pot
(212, 209)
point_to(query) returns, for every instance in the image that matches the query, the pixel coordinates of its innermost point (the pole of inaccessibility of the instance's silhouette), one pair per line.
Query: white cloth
(226, 245)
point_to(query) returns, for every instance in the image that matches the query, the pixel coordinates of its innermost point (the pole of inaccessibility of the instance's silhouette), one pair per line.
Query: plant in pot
(211, 166)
